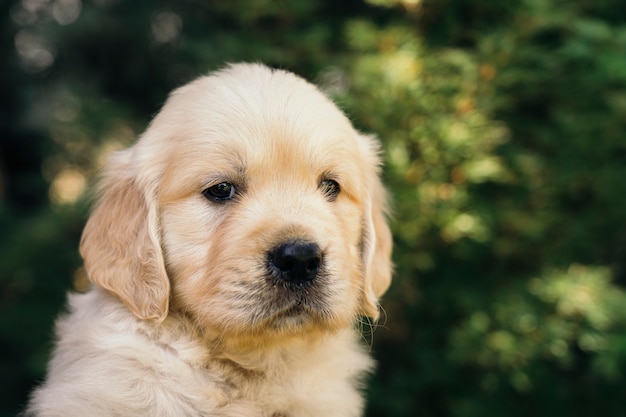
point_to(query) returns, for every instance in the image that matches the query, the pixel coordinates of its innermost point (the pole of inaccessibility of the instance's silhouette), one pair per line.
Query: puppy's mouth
(296, 317)
(289, 312)
(290, 300)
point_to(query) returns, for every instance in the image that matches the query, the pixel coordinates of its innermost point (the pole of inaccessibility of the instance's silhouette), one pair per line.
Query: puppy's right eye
(220, 192)
(330, 188)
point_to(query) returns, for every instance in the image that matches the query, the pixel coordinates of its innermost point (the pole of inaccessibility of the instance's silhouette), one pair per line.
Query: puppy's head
(250, 204)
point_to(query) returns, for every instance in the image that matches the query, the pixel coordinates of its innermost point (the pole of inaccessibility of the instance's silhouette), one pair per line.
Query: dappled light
(67, 187)
(166, 27)
(555, 315)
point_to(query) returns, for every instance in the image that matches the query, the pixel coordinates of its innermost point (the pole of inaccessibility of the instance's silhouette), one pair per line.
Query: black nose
(296, 262)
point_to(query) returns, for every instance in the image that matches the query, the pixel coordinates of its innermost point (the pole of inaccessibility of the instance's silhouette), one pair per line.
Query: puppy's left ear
(120, 243)
(376, 237)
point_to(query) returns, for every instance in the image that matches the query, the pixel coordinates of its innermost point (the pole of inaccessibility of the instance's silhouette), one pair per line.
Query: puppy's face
(255, 208)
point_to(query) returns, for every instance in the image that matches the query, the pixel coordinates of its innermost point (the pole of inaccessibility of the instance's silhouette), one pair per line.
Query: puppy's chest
(264, 393)
(312, 380)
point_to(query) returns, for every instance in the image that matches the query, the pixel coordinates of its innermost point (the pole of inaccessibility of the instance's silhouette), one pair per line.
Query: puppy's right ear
(376, 235)
(121, 245)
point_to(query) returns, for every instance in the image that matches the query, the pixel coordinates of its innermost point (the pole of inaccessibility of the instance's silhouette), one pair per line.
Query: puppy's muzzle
(296, 262)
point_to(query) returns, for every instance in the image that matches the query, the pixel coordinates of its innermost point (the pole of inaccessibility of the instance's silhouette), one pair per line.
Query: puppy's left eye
(220, 192)
(330, 188)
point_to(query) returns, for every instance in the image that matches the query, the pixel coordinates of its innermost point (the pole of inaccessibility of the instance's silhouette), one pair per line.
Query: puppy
(231, 251)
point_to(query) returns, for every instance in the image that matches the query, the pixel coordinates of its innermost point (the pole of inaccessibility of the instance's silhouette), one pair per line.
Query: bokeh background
(504, 130)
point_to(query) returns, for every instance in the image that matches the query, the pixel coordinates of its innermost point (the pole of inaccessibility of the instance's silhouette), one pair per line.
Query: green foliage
(503, 130)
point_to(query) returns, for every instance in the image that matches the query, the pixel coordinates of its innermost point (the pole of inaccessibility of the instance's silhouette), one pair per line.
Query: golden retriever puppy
(231, 251)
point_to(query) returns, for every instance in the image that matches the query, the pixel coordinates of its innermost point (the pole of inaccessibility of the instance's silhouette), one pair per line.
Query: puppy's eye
(330, 188)
(220, 192)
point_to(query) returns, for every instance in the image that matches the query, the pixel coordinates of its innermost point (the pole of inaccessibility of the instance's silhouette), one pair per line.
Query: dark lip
(289, 303)
(280, 301)
(283, 317)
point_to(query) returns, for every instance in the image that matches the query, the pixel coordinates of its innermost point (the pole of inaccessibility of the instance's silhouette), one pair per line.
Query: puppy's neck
(257, 354)
(250, 353)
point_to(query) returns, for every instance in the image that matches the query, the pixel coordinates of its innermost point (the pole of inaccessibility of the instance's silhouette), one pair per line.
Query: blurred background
(504, 130)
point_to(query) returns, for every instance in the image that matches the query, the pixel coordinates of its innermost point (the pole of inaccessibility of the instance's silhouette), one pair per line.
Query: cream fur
(184, 318)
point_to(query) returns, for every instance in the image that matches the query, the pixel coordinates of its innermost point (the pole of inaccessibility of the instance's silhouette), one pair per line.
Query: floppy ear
(377, 243)
(120, 244)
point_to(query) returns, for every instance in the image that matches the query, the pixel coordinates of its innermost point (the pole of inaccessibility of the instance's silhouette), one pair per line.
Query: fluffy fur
(187, 315)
